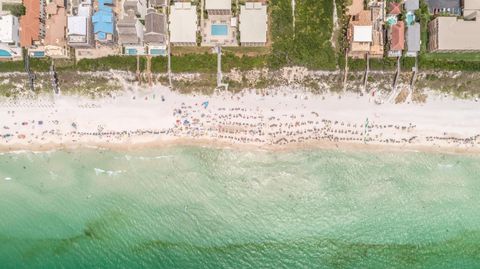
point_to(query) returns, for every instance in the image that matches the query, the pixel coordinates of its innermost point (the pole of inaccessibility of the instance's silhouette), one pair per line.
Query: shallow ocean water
(194, 207)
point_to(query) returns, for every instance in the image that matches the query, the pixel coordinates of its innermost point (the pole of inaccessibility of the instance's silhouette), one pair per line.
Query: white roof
(77, 25)
(253, 23)
(85, 10)
(183, 23)
(218, 4)
(362, 33)
(9, 29)
(472, 4)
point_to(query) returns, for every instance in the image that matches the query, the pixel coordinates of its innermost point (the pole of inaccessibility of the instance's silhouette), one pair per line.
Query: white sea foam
(99, 171)
(8, 178)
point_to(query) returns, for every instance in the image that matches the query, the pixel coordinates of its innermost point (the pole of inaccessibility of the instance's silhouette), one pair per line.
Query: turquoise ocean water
(192, 207)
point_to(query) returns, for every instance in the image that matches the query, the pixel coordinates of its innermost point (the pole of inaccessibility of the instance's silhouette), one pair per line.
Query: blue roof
(103, 19)
(103, 2)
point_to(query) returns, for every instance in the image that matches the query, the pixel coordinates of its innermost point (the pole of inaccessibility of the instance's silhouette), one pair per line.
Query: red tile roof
(30, 23)
(395, 8)
(398, 36)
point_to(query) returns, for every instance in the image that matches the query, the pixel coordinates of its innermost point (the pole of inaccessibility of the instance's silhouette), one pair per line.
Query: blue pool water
(157, 52)
(38, 54)
(4, 53)
(131, 52)
(410, 18)
(219, 29)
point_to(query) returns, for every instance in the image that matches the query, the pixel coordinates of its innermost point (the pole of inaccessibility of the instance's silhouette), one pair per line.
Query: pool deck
(230, 40)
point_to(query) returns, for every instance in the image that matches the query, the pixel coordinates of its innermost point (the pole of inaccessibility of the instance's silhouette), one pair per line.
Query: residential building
(55, 29)
(9, 30)
(253, 24)
(218, 7)
(471, 9)
(394, 8)
(411, 5)
(451, 34)
(9, 38)
(104, 22)
(183, 23)
(79, 26)
(413, 40)
(130, 34)
(32, 24)
(139, 6)
(365, 31)
(397, 39)
(156, 33)
(452, 7)
(158, 3)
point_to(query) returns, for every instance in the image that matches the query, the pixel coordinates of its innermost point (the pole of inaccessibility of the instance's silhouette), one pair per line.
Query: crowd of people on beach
(232, 124)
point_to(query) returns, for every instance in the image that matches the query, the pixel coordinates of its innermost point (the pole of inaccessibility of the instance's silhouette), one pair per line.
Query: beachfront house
(130, 34)
(413, 40)
(79, 26)
(411, 5)
(253, 24)
(452, 34)
(158, 3)
(156, 33)
(54, 43)
(138, 6)
(365, 29)
(104, 22)
(471, 9)
(9, 38)
(451, 7)
(32, 24)
(218, 7)
(397, 39)
(183, 23)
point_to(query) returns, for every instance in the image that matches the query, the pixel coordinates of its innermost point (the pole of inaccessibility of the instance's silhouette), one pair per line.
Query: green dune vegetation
(301, 37)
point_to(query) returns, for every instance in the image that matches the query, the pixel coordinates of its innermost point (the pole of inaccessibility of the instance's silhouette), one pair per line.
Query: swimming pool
(410, 18)
(158, 52)
(4, 53)
(38, 54)
(131, 52)
(219, 29)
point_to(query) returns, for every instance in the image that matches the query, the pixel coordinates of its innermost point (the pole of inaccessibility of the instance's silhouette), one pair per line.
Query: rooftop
(155, 25)
(158, 3)
(218, 4)
(103, 20)
(253, 23)
(457, 34)
(77, 25)
(127, 29)
(8, 31)
(56, 24)
(183, 23)
(412, 5)
(30, 23)
(362, 33)
(394, 8)
(413, 37)
(398, 36)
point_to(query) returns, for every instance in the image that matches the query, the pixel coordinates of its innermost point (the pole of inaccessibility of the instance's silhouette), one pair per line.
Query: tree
(16, 10)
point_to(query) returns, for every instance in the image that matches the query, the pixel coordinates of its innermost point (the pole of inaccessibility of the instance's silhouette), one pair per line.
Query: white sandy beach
(283, 118)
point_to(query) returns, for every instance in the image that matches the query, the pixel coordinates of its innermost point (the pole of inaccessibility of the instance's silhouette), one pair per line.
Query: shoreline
(215, 144)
